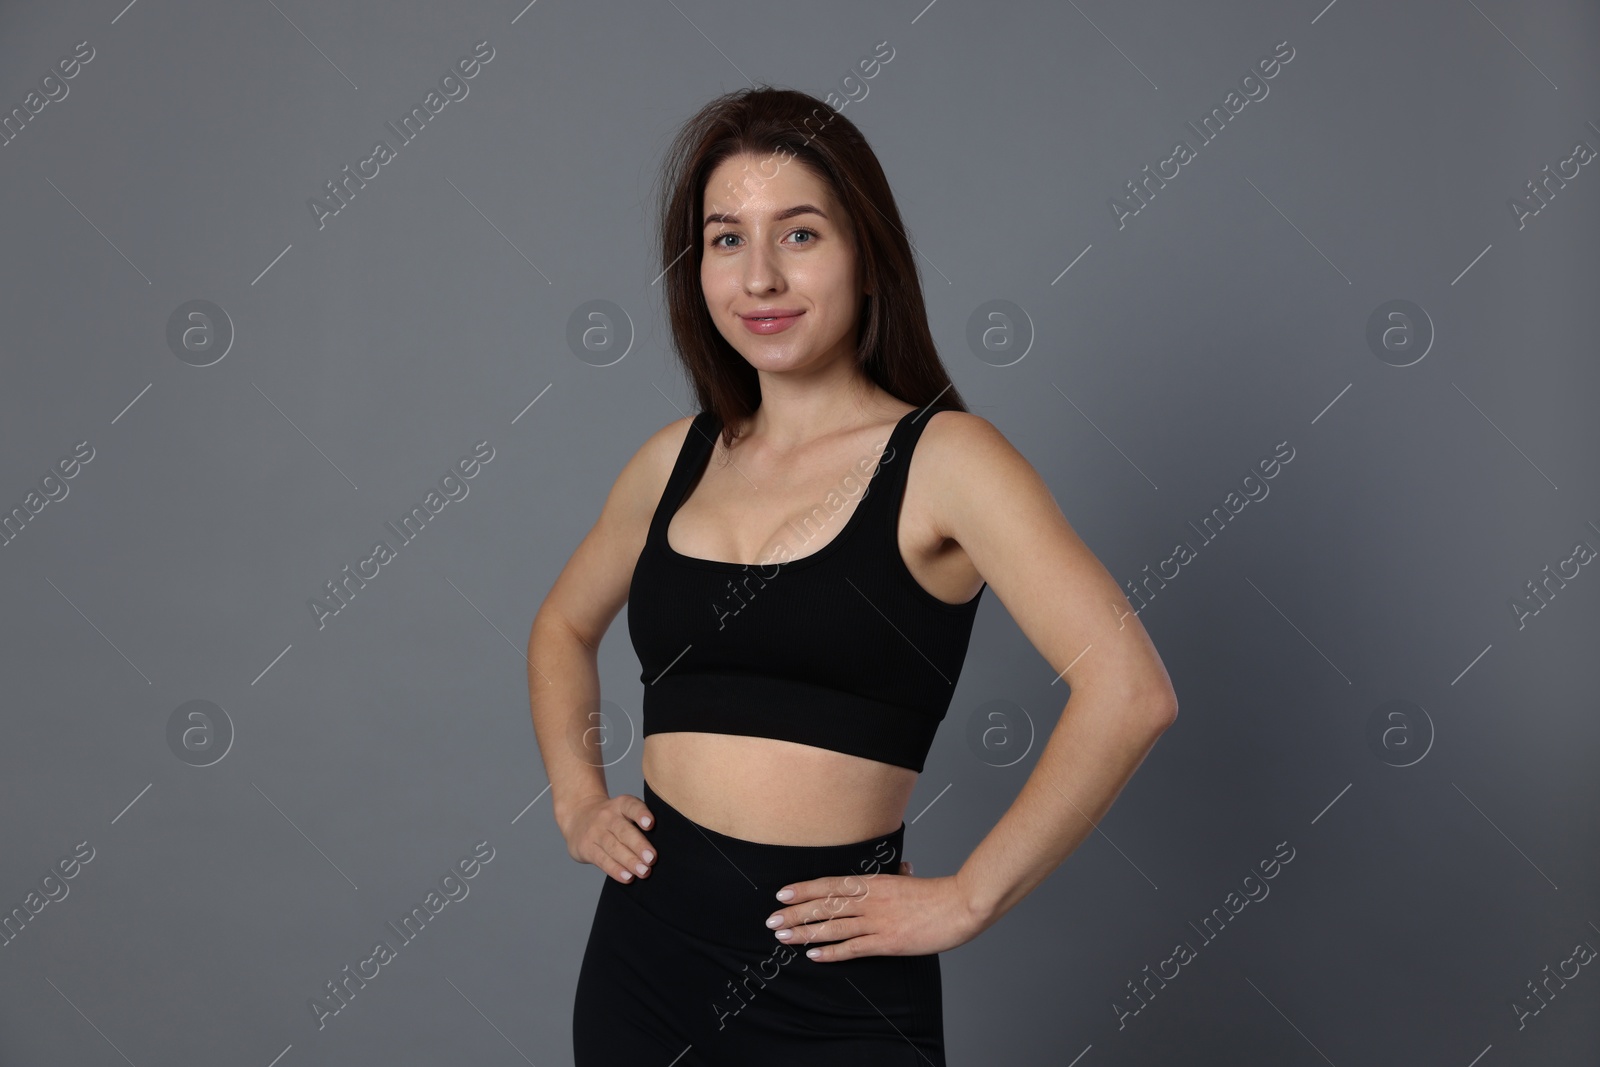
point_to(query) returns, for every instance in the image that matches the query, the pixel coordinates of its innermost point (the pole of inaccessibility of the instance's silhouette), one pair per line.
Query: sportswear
(680, 968)
(837, 647)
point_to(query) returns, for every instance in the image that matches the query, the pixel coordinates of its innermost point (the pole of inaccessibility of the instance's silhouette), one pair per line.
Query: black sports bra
(840, 648)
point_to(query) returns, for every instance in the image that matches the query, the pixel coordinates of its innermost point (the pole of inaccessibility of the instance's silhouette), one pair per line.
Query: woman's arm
(991, 501)
(564, 643)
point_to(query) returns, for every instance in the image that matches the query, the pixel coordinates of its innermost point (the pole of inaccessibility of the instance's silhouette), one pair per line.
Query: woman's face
(779, 244)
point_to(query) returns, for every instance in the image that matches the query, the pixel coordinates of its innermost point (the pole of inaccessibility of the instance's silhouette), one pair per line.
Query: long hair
(894, 346)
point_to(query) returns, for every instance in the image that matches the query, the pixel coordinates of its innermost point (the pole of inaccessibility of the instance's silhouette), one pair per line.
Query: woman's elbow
(1160, 704)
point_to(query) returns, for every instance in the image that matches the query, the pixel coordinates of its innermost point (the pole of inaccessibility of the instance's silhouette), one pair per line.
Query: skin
(974, 510)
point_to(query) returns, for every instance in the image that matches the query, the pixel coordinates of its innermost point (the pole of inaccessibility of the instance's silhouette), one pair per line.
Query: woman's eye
(716, 242)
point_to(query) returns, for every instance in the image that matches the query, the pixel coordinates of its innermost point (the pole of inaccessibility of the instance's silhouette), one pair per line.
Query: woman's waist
(763, 866)
(719, 890)
(761, 790)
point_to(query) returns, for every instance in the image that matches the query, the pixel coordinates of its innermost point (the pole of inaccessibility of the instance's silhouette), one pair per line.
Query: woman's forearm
(1099, 742)
(564, 692)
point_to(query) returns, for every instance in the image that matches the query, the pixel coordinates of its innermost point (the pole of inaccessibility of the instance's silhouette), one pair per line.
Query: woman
(757, 908)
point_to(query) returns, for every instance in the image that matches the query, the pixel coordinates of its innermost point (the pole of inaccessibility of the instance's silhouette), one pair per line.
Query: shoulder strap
(887, 486)
(692, 454)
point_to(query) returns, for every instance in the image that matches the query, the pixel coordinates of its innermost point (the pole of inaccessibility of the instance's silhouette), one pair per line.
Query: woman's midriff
(776, 792)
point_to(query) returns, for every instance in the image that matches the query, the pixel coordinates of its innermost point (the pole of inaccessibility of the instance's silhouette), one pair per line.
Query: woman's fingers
(620, 863)
(617, 859)
(635, 814)
(635, 809)
(833, 929)
(628, 848)
(605, 832)
(639, 853)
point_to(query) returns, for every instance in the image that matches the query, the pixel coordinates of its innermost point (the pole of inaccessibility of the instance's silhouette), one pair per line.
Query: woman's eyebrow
(786, 213)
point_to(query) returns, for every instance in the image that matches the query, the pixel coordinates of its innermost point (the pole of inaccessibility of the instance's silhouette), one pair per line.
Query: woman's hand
(875, 915)
(601, 830)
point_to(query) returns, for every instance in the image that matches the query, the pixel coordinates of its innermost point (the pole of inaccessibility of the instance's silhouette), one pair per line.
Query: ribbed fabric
(839, 648)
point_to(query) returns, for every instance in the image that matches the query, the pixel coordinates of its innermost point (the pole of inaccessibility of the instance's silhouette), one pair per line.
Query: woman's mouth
(769, 324)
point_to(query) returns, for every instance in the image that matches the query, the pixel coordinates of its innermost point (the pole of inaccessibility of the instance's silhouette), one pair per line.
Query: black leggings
(681, 969)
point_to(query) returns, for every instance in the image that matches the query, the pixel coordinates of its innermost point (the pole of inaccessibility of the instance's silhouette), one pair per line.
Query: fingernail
(641, 868)
(785, 894)
(645, 822)
(649, 857)
(626, 875)
(813, 953)
(775, 922)
(784, 935)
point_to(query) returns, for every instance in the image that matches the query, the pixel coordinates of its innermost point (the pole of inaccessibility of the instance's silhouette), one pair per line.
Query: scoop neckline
(725, 565)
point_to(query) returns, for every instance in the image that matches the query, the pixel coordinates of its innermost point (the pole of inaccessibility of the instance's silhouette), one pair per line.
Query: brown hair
(894, 346)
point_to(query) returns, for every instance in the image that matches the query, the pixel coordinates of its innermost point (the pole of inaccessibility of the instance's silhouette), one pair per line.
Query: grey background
(1230, 314)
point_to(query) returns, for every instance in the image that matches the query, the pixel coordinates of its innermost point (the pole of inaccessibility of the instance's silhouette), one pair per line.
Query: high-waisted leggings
(681, 970)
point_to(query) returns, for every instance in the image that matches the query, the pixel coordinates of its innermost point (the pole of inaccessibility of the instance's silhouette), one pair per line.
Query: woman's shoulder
(952, 430)
(965, 458)
(643, 478)
(666, 442)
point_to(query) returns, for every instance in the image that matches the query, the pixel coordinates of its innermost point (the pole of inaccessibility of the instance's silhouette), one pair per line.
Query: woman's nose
(760, 268)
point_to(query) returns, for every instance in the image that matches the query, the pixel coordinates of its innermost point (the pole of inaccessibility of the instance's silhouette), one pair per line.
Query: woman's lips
(770, 324)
